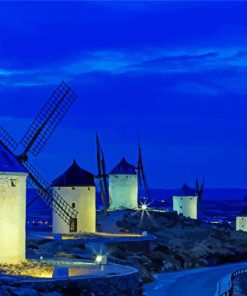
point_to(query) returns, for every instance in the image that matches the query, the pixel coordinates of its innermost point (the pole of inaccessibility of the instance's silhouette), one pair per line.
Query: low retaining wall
(225, 286)
(110, 285)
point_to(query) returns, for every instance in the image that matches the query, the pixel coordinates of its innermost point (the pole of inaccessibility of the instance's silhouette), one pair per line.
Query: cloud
(197, 89)
(235, 84)
(156, 60)
(7, 72)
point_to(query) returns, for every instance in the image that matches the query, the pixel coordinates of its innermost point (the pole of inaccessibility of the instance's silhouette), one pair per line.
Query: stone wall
(111, 286)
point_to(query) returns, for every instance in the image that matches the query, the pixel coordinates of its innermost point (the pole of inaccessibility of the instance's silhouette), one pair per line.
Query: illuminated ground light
(144, 207)
(145, 210)
(100, 259)
(108, 234)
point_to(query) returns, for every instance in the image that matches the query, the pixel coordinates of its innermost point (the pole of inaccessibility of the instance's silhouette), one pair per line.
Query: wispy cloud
(147, 61)
(197, 89)
(9, 72)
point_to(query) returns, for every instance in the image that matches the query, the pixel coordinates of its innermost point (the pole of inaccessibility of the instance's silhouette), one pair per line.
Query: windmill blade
(7, 140)
(202, 187)
(48, 118)
(139, 175)
(49, 195)
(145, 183)
(198, 192)
(100, 175)
(98, 156)
(199, 189)
(142, 174)
(106, 188)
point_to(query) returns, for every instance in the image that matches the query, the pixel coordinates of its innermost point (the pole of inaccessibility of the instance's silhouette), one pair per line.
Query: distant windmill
(102, 176)
(199, 192)
(33, 141)
(142, 181)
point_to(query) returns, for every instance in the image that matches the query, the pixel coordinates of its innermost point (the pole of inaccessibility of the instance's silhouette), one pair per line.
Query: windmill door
(73, 225)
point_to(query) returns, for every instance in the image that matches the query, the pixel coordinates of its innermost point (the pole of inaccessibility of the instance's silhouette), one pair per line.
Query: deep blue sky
(172, 73)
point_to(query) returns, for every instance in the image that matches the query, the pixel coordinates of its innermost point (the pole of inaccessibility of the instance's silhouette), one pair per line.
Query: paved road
(201, 281)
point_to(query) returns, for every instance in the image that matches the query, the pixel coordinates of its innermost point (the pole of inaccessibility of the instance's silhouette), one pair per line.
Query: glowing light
(144, 206)
(100, 259)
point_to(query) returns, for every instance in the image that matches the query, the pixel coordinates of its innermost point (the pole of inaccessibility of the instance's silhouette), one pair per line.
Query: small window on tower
(73, 205)
(88, 188)
(13, 182)
(73, 188)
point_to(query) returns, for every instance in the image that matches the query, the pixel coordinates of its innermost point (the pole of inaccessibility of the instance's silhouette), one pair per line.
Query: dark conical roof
(74, 176)
(9, 163)
(124, 168)
(186, 191)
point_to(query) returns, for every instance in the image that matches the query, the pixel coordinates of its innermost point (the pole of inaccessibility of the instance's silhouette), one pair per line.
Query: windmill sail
(106, 188)
(7, 140)
(104, 193)
(199, 192)
(49, 195)
(47, 120)
(143, 184)
(34, 140)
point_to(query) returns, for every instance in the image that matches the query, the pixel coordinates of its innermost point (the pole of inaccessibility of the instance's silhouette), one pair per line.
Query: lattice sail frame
(49, 195)
(7, 140)
(48, 118)
(61, 100)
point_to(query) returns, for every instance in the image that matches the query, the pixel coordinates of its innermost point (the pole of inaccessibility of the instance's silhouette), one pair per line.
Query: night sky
(172, 73)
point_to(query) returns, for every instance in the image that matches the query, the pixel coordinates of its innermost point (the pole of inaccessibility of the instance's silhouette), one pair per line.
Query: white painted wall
(241, 223)
(123, 191)
(12, 217)
(185, 205)
(85, 204)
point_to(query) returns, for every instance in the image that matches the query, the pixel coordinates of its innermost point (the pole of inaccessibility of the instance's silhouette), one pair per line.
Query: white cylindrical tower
(123, 186)
(76, 186)
(12, 209)
(241, 220)
(185, 202)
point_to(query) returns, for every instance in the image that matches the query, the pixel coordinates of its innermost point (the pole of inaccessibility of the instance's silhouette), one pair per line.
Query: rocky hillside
(181, 243)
